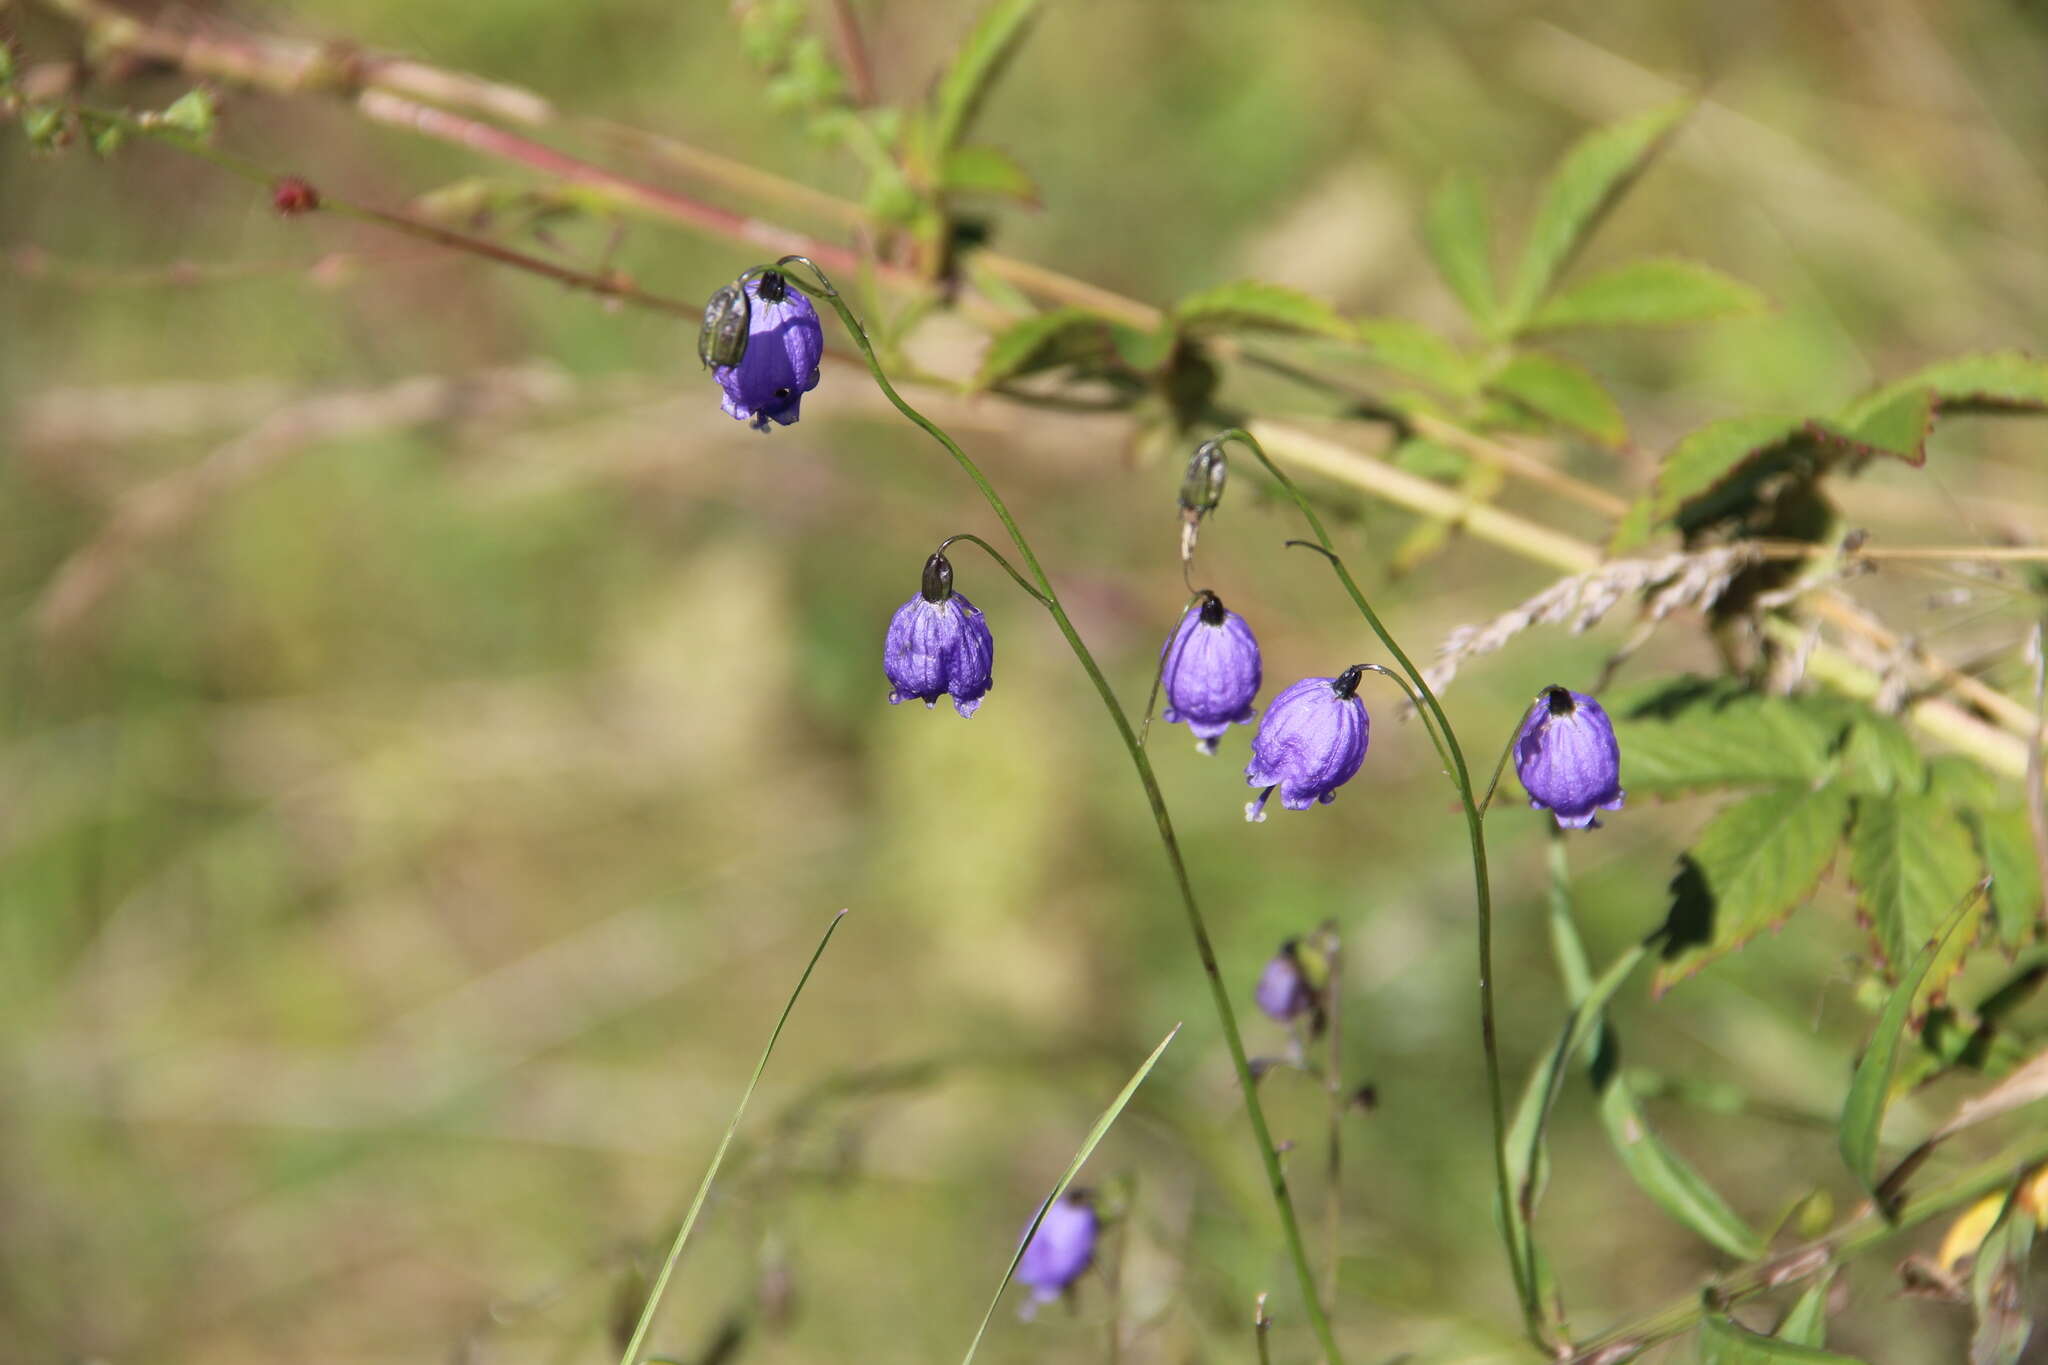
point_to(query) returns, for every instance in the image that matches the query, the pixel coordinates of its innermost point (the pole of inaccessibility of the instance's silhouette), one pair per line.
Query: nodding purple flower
(1284, 993)
(1209, 669)
(1061, 1249)
(1310, 742)
(1568, 759)
(766, 370)
(939, 645)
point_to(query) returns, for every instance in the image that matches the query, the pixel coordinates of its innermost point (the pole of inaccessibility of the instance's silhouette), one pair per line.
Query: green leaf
(1807, 1323)
(195, 112)
(1714, 454)
(675, 1251)
(1143, 351)
(1870, 1088)
(1911, 860)
(1996, 381)
(1692, 733)
(1724, 1341)
(1752, 866)
(1431, 459)
(1893, 423)
(981, 169)
(2007, 847)
(1255, 306)
(1563, 392)
(1461, 243)
(1676, 1187)
(1037, 343)
(1880, 759)
(1656, 293)
(1417, 351)
(1635, 528)
(1998, 1289)
(1088, 1146)
(1593, 175)
(988, 47)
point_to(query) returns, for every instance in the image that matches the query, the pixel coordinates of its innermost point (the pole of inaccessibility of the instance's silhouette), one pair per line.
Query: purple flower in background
(1567, 757)
(1284, 992)
(1310, 743)
(777, 357)
(939, 644)
(1061, 1249)
(1209, 668)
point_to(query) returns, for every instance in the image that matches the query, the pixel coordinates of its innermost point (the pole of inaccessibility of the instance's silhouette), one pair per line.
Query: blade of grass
(1094, 1139)
(675, 1250)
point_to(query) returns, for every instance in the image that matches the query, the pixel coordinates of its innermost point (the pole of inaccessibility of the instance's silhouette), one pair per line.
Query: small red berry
(292, 196)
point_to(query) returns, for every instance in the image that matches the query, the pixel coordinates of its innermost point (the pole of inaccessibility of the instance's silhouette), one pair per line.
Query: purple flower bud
(939, 644)
(1284, 993)
(1062, 1248)
(1567, 757)
(778, 361)
(1209, 669)
(1310, 742)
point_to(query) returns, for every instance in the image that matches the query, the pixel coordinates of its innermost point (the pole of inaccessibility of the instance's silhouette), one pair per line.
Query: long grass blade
(1094, 1139)
(675, 1250)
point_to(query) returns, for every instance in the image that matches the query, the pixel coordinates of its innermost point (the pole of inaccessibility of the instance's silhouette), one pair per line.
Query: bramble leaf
(1712, 455)
(1894, 423)
(1460, 241)
(2007, 848)
(1255, 306)
(1417, 351)
(1880, 758)
(1654, 293)
(988, 47)
(1051, 338)
(1595, 173)
(1751, 867)
(1563, 392)
(1989, 382)
(1911, 860)
(1691, 733)
(981, 169)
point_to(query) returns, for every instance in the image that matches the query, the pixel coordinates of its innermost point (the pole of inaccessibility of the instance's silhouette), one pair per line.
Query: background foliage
(434, 735)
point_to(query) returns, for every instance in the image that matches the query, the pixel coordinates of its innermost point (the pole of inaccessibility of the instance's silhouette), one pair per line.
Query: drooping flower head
(1310, 742)
(1209, 669)
(939, 645)
(1568, 759)
(763, 341)
(1285, 993)
(1061, 1249)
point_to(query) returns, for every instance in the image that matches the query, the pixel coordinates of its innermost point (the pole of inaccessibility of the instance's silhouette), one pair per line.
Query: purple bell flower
(1209, 669)
(1284, 993)
(777, 362)
(939, 644)
(1062, 1248)
(1567, 758)
(1310, 742)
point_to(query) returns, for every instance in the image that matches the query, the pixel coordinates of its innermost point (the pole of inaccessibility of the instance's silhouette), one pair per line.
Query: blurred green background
(410, 828)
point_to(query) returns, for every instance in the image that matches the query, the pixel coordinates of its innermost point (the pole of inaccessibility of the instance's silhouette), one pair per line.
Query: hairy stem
(1269, 1156)
(1512, 1233)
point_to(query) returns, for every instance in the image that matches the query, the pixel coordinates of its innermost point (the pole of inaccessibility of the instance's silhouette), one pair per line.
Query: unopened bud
(723, 339)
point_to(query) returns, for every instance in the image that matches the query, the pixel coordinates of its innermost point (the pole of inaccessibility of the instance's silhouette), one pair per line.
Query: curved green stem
(1512, 1232)
(1269, 1156)
(1007, 567)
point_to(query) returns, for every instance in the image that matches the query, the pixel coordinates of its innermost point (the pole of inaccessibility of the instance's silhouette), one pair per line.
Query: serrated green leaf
(988, 47)
(1563, 392)
(1895, 424)
(2007, 846)
(1911, 860)
(1634, 529)
(1995, 381)
(1596, 171)
(1687, 734)
(1753, 865)
(1088, 1146)
(981, 169)
(1870, 1088)
(1417, 351)
(1807, 1323)
(1724, 1341)
(1144, 351)
(1255, 306)
(195, 112)
(1962, 782)
(1709, 457)
(1880, 759)
(1655, 293)
(1041, 342)
(1460, 239)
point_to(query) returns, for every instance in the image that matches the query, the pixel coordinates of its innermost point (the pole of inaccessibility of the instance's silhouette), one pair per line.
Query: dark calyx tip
(938, 578)
(1559, 700)
(1212, 609)
(770, 287)
(1346, 683)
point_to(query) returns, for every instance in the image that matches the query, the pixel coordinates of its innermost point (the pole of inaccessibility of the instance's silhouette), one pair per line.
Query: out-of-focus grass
(396, 866)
